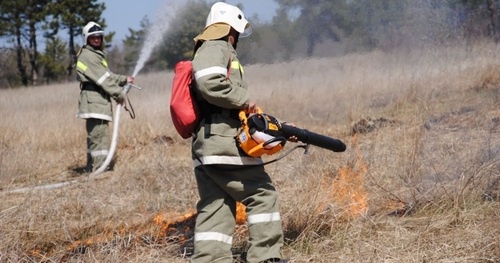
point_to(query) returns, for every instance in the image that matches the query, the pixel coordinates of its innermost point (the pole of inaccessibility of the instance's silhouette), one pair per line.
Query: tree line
(299, 28)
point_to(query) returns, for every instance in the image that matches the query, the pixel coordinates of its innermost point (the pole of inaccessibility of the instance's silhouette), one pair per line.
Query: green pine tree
(73, 15)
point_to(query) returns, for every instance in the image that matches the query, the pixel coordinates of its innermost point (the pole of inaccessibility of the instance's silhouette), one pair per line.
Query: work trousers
(98, 143)
(220, 186)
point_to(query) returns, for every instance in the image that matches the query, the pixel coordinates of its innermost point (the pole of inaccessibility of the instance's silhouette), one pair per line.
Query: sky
(121, 15)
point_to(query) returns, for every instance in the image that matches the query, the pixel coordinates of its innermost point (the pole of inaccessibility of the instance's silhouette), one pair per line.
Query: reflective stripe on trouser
(219, 190)
(97, 142)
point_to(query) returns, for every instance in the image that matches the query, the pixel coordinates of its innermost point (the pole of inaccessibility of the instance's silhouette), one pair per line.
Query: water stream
(155, 33)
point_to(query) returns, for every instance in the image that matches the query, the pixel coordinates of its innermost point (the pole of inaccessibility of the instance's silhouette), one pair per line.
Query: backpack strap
(210, 109)
(229, 66)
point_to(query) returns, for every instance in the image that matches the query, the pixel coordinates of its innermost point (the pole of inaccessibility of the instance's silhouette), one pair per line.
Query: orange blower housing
(254, 136)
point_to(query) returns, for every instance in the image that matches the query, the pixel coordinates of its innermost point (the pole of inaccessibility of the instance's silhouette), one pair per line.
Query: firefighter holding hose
(224, 173)
(98, 85)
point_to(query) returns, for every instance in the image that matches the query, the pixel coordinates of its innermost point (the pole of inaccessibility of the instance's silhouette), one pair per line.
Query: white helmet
(92, 28)
(231, 15)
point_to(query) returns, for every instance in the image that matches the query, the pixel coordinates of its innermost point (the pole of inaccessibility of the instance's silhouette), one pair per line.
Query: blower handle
(309, 137)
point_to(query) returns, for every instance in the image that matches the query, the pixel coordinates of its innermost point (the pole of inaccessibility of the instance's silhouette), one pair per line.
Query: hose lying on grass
(107, 161)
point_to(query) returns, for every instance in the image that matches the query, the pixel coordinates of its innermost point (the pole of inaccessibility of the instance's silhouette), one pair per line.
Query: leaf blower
(261, 134)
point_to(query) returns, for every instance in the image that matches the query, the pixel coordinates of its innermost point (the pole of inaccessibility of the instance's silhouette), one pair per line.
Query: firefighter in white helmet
(224, 173)
(98, 85)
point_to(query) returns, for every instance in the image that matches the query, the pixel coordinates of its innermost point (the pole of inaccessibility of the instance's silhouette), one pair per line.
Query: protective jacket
(214, 141)
(97, 85)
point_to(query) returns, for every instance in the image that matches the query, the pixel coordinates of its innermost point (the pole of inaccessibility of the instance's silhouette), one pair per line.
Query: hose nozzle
(127, 87)
(135, 86)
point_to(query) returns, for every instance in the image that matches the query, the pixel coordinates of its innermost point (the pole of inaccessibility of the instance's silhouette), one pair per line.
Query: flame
(169, 224)
(347, 191)
(162, 227)
(241, 215)
(350, 193)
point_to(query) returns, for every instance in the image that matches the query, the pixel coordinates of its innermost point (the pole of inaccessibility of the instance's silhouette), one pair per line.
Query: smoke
(366, 25)
(154, 35)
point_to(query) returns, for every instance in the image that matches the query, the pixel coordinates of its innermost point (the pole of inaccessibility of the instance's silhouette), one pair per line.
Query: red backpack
(183, 107)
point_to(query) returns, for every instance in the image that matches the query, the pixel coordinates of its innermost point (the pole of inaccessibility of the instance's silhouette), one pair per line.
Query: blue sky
(121, 15)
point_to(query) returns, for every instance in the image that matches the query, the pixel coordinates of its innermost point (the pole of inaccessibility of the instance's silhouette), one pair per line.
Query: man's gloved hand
(251, 107)
(120, 100)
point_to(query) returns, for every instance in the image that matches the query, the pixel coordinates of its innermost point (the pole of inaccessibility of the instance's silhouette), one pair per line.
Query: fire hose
(109, 157)
(116, 124)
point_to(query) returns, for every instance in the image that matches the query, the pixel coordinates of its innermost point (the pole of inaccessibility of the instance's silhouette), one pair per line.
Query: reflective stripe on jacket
(210, 67)
(92, 69)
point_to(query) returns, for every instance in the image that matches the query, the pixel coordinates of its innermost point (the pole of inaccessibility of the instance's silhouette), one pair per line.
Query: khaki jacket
(210, 67)
(92, 71)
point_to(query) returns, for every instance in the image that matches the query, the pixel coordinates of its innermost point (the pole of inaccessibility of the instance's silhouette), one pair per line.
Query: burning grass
(420, 181)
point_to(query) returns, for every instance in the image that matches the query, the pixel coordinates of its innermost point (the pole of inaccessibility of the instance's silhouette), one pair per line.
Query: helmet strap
(233, 37)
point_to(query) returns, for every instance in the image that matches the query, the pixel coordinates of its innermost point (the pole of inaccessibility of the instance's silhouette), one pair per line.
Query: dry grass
(419, 182)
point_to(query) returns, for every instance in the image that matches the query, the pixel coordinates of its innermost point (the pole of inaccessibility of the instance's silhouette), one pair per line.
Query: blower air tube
(315, 139)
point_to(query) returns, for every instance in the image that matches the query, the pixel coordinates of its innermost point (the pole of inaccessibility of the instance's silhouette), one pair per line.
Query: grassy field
(419, 182)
